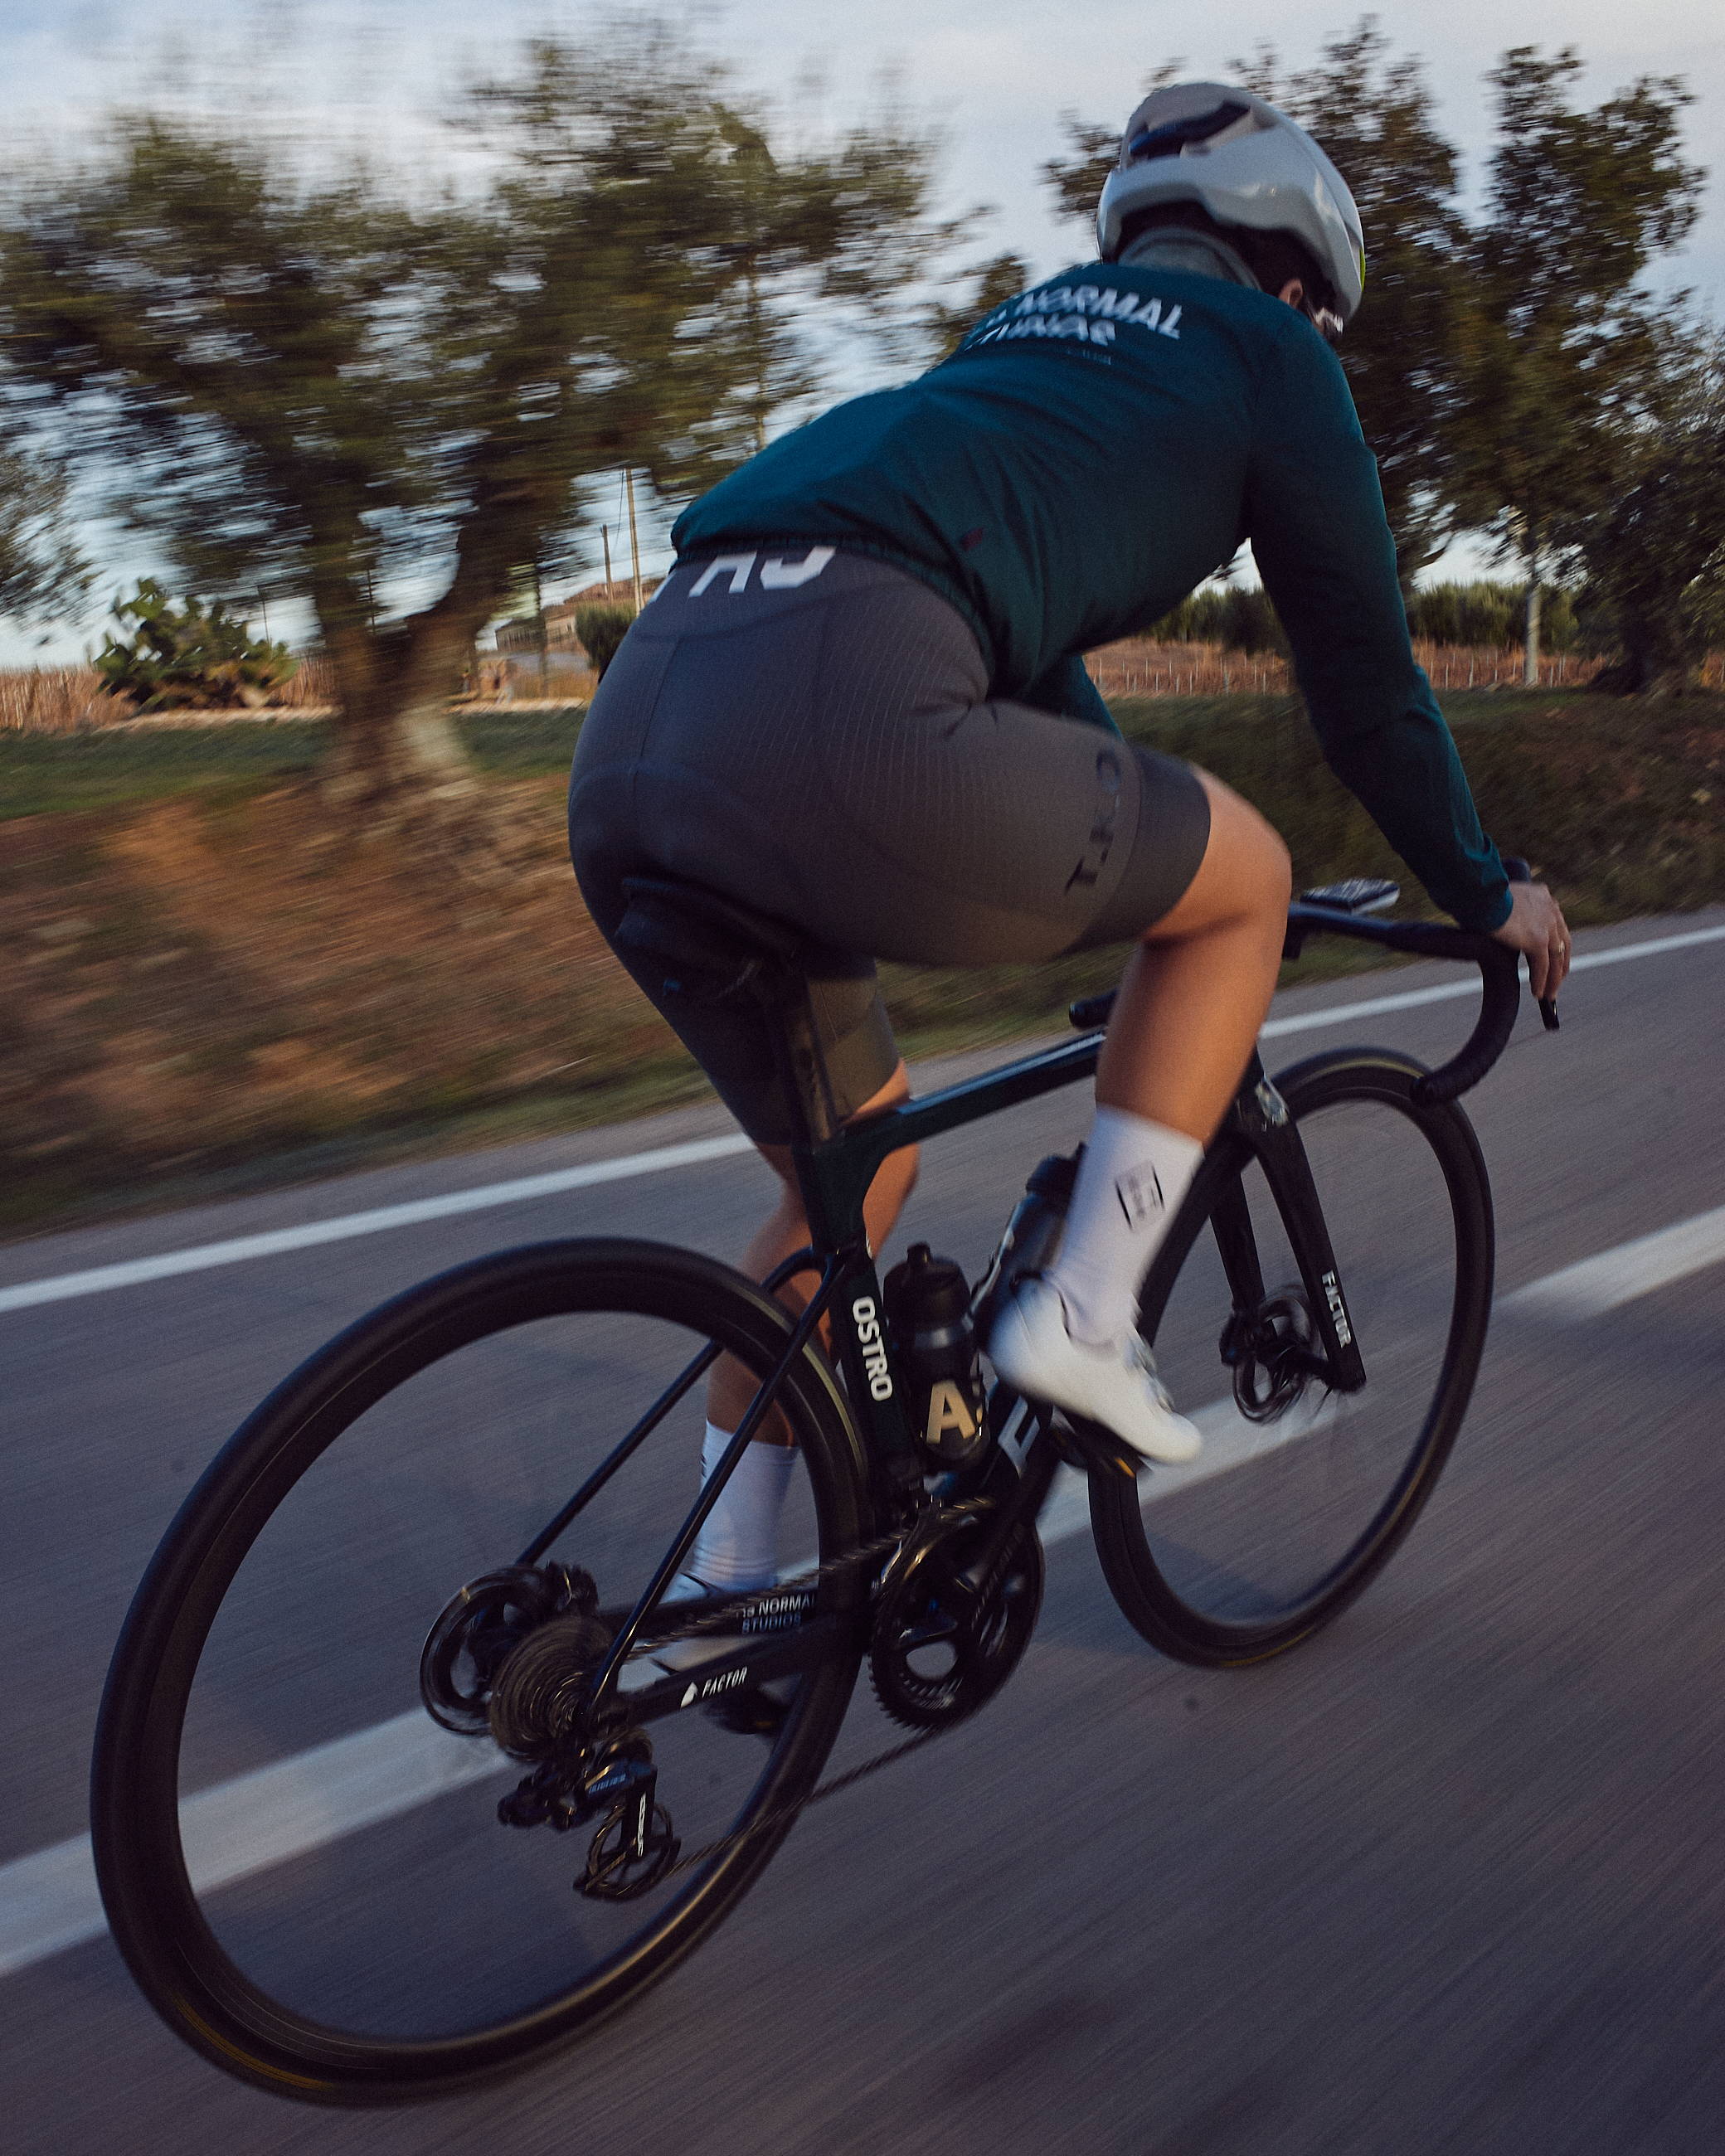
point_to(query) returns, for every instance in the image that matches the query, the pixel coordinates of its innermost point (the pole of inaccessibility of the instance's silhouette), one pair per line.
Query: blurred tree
(43, 576)
(990, 284)
(193, 655)
(1374, 117)
(1561, 344)
(1487, 612)
(601, 630)
(346, 385)
(1654, 558)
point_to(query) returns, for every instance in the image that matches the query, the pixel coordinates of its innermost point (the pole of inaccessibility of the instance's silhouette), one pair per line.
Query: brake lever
(1518, 870)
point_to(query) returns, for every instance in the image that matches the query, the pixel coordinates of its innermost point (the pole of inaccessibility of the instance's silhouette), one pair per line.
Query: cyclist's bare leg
(1197, 988)
(1194, 995)
(786, 1229)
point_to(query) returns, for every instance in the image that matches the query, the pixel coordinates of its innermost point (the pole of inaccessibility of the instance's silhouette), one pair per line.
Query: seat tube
(834, 1179)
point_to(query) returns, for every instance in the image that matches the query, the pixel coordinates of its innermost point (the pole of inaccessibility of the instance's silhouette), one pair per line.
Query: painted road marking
(99, 1280)
(49, 1900)
(1600, 1284)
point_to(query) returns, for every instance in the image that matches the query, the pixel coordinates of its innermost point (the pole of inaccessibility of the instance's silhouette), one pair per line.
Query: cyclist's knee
(1245, 874)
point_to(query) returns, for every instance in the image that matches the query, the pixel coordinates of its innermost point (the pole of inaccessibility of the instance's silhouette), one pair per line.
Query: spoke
(676, 1390)
(758, 1408)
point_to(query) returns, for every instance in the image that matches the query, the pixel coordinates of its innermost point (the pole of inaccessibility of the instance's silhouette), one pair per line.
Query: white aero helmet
(1244, 163)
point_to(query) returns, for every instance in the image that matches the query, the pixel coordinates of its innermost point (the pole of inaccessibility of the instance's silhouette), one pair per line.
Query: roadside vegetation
(211, 982)
(398, 397)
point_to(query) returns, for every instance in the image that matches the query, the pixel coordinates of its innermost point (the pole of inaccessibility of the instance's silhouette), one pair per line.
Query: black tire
(290, 2045)
(1268, 1536)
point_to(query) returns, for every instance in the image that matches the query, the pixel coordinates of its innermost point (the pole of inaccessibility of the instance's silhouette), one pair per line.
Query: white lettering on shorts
(739, 565)
(779, 575)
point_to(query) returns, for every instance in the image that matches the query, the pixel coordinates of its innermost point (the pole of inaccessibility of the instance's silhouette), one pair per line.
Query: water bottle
(928, 1308)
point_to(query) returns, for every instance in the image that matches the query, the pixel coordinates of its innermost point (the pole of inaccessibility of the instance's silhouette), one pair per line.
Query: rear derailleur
(512, 1657)
(613, 1782)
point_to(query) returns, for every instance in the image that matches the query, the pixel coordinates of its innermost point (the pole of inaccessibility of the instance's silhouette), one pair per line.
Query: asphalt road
(1446, 1879)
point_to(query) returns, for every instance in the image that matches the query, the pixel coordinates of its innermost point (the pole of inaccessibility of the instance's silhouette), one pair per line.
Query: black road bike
(404, 1659)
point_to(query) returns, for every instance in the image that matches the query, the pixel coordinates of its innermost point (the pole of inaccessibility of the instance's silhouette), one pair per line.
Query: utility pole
(539, 622)
(605, 541)
(634, 542)
(1530, 656)
(263, 604)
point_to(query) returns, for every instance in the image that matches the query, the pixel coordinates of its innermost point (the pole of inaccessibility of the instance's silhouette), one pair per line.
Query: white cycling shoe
(1117, 1386)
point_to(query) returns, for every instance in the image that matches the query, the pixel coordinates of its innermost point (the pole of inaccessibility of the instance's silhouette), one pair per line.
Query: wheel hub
(1271, 1353)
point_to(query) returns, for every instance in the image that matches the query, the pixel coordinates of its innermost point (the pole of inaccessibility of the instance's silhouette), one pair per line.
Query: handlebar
(1500, 981)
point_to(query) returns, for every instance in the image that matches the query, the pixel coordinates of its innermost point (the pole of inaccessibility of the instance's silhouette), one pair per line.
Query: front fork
(1260, 1116)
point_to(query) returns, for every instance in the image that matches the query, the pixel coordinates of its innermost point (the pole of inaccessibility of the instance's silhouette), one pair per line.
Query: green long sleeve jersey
(1093, 450)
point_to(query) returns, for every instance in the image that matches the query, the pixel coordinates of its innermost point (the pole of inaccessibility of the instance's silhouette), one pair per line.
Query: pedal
(1087, 1445)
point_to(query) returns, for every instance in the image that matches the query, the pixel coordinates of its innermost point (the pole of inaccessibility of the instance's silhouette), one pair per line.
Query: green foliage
(1655, 563)
(43, 576)
(194, 655)
(330, 384)
(1561, 346)
(1489, 613)
(991, 283)
(600, 629)
(1374, 118)
(1238, 617)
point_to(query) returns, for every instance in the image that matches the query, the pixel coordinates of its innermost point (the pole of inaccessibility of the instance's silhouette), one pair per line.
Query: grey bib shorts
(811, 735)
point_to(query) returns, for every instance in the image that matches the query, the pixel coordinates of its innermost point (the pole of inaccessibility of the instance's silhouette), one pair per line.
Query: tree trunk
(399, 768)
(1530, 658)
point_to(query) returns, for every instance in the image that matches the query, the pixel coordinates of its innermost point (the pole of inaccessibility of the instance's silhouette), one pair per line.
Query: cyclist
(858, 704)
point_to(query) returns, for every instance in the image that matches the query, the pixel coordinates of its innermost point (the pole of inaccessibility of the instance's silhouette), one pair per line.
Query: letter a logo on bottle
(948, 1410)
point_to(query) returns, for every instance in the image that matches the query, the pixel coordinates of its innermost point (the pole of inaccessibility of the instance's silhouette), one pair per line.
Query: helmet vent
(1175, 136)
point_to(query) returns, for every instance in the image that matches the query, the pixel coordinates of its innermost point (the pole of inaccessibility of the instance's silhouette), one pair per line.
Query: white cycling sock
(737, 1547)
(1130, 1180)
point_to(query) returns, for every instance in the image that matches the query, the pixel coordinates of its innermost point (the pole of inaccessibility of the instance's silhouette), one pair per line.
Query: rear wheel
(1302, 1493)
(306, 1874)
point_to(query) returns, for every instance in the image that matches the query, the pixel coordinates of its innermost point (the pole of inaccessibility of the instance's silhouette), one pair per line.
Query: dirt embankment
(217, 980)
(196, 980)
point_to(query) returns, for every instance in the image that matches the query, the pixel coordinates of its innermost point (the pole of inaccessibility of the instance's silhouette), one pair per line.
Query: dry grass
(1140, 668)
(57, 700)
(71, 699)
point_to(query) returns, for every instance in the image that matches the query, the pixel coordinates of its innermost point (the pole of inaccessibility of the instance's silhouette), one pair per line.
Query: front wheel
(1302, 1492)
(315, 1882)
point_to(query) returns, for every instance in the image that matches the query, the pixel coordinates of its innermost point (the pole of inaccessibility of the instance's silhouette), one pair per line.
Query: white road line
(99, 1280)
(203, 1255)
(1600, 1284)
(49, 1900)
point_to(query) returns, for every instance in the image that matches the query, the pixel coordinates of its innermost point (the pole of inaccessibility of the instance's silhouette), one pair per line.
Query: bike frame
(833, 1176)
(834, 1168)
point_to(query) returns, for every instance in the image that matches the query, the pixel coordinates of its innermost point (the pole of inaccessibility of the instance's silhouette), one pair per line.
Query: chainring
(944, 1642)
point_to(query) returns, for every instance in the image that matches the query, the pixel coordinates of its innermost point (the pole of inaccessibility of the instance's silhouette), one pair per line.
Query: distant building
(521, 636)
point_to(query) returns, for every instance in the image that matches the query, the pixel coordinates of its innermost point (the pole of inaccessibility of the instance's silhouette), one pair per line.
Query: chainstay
(725, 1616)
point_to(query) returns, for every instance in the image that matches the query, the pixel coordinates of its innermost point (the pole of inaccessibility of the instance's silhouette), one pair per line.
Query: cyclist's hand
(1537, 928)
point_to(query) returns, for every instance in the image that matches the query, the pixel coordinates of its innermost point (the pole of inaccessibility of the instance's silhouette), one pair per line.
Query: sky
(996, 77)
